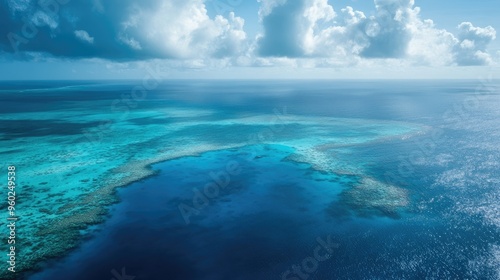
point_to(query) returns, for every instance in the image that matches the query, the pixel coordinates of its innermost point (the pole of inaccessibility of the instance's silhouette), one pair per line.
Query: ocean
(194, 179)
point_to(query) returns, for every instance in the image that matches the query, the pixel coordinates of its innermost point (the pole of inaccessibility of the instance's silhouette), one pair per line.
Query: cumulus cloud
(295, 33)
(289, 26)
(84, 36)
(312, 28)
(281, 26)
(430, 45)
(306, 28)
(121, 30)
(472, 44)
(387, 31)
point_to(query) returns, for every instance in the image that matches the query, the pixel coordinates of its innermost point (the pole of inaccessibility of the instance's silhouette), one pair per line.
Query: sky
(249, 39)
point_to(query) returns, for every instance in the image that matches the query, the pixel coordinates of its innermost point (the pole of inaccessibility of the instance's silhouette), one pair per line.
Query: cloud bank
(119, 29)
(395, 31)
(308, 33)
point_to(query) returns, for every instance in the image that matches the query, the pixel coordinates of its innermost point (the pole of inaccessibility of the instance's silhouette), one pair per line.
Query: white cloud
(230, 39)
(429, 45)
(184, 30)
(267, 6)
(316, 12)
(472, 45)
(347, 38)
(129, 41)
(312, 30)
(84, 36)
(130, 30)
(391, 36)
(296, 33)
(290, 26)
(395, 31)
(41, 18)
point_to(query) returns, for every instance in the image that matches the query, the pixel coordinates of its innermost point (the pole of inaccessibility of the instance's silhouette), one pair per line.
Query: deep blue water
(269, 217)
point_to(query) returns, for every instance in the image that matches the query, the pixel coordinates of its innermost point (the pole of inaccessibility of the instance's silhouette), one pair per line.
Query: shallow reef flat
(70, 162)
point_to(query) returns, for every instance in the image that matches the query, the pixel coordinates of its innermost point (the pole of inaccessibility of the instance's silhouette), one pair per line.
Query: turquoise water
(239, 180)
(260, 223)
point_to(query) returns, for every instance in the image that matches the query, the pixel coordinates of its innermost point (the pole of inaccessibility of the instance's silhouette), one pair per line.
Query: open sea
(294, 180)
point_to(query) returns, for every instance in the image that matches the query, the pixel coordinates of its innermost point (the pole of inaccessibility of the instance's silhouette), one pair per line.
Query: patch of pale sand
(179, 112)
(324, 162)
(371, 197)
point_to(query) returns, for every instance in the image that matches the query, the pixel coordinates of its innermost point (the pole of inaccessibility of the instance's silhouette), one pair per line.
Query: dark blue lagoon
(256, 180)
